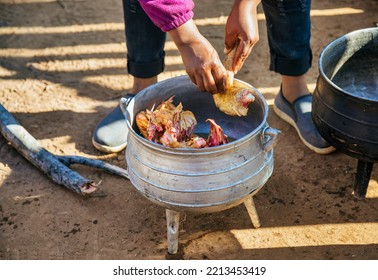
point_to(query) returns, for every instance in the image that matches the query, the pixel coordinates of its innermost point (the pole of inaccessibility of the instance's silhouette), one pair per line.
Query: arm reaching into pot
(241, 35)
(201, 60)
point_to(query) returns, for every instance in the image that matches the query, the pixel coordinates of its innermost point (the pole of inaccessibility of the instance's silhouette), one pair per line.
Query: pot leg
(362, 179)
(173, 218)
(251, 208)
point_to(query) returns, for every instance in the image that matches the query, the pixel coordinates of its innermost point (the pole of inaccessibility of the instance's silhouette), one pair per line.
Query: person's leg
(294, 87)
(289, 32)
(145, 61)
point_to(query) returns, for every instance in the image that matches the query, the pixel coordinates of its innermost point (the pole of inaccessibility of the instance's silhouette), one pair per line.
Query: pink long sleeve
(168, 14)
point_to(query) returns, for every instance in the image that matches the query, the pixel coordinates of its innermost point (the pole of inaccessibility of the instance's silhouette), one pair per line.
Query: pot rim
(336, 42)
(207, 150)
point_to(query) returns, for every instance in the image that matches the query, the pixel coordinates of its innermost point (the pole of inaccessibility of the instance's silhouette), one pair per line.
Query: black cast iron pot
(345, 100)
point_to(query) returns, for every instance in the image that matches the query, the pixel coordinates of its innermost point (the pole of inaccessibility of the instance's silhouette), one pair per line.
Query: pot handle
(124, 102)
(269, 138)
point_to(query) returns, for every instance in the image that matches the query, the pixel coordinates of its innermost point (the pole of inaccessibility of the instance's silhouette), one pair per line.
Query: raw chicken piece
(142, 121)
(167, 122)
(234, 101)
(170, 126)
(216, 136)
(169, 137)
(196, 142)
(187, 124)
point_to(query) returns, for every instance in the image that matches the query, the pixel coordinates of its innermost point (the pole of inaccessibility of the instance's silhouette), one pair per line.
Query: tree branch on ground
(56, 167)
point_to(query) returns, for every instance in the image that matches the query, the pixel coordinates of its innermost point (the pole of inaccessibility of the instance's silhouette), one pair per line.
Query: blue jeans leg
(289, 32)
(144, 41)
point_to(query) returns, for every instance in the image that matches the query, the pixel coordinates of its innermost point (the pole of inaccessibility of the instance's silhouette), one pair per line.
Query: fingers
(220, 76)
(204, 82)
(209, 82)
(230, 42)
(238, 53)
(203, 66)
(197, 79)
(211, 79)
(212, 82)
(242, 52)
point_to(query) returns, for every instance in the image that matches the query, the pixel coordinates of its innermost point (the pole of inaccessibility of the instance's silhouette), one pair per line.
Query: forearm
(196, 51)
(185, 34)
(244, 15)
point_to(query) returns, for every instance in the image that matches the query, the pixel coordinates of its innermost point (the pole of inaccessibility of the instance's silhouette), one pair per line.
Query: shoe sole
(290, 121)
(107, 149)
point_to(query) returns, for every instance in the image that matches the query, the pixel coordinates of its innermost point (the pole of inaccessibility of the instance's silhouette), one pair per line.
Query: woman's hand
(241, 31)
(201, 60)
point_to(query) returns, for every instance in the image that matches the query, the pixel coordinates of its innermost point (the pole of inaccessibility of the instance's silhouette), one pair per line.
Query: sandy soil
(62, 68)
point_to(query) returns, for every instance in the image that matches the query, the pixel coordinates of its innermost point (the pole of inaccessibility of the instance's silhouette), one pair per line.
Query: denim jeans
(289, 31)
(288, 26)
(144, 41)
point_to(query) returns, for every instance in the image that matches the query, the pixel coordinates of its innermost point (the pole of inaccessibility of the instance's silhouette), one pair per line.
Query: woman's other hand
(241, 31)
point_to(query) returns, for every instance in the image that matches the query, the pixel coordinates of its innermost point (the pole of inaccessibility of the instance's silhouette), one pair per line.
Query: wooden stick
(55, 167)
(99, 164)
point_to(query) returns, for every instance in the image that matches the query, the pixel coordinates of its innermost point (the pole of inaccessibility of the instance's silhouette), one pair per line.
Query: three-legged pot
(200, 180)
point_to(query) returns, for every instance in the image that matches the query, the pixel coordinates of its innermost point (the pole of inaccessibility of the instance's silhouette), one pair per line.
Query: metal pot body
(345, 116)
(200, 180)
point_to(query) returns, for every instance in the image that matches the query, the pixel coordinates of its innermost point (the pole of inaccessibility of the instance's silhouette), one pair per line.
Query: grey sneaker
(110, 134)
(298, 114)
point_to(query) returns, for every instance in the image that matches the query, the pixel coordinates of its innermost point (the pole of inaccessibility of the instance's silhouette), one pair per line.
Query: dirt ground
(62, 68)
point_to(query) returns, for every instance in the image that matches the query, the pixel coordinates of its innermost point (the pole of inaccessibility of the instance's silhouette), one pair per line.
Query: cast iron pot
(345, 100)
(200, 180)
